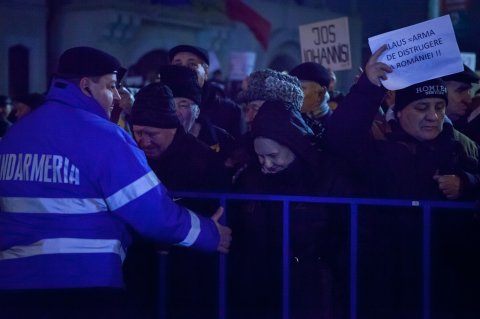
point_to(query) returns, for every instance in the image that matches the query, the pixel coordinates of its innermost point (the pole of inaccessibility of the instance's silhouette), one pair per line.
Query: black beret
(86, 61)
(154, 106)
(183, 82)
(311, 71)
(466, 76)
(200, 52)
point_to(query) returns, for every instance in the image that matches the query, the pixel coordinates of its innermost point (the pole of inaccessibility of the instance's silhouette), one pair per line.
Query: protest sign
(419, 52)
(327, 43)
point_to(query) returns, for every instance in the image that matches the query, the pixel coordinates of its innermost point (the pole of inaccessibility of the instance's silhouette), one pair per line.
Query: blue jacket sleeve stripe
(193, 232)
(65, 246)
(52, 205)
(133, 191)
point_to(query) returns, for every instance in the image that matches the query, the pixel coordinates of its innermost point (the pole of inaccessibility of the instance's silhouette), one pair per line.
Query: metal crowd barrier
(354, 204)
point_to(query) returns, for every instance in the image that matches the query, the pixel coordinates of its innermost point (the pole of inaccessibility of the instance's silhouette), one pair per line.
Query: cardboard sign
(419, 52)
(327, 43)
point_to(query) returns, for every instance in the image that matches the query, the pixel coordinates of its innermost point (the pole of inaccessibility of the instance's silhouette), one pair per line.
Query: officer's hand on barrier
(377, 71)
(224, 231)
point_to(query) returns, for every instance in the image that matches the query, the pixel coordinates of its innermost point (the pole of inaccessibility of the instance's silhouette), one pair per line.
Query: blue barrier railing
(354, 204)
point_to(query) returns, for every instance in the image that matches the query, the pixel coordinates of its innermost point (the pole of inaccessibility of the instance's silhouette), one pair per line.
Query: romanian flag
(235, 10)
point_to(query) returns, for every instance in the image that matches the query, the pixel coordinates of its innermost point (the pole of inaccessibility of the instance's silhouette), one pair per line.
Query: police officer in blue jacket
(68, 211)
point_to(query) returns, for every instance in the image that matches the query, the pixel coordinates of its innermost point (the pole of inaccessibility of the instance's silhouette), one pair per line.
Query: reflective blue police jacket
(73, 185)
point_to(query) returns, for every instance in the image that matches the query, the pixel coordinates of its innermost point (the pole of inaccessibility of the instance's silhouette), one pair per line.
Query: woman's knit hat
(154, 106)
(272, 85)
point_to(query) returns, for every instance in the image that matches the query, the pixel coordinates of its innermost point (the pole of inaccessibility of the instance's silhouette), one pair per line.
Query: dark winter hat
(154, 106)
(466, 76)
(86, 61)
(311, 71)
(429, 89)
(272, 85)
(200, 52)
(277, 121)
(182, 81)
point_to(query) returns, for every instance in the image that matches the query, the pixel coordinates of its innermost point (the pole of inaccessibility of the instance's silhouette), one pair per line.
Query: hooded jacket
(73, 186)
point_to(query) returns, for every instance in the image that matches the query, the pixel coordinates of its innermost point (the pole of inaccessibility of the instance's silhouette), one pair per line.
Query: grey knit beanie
(269, 85)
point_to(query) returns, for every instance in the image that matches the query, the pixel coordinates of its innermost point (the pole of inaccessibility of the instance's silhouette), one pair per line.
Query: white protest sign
(419, 52)
(327, 43)
(241, 65)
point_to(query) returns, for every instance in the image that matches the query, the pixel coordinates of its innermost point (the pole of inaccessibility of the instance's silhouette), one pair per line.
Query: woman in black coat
(289, 163)
(419, 160)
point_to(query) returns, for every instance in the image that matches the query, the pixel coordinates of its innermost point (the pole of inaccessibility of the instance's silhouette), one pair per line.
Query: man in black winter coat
(459, 101)
(188, 97)
(420, 159)
(182, 163)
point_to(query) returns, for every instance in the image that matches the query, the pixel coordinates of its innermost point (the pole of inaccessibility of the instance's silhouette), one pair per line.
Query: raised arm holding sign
(375, 70)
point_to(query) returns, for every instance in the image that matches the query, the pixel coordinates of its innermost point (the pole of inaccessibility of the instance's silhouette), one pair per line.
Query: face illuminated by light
(423, 119)
(273, 156)
(314, 94)
(153, 141)
(459, 99)
(103, 89)
(187, 112)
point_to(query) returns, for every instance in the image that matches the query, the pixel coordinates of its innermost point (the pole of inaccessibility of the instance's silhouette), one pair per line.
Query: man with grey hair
(223, 112)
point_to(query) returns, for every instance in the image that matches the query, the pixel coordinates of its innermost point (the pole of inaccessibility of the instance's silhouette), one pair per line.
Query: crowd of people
(109, 153)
